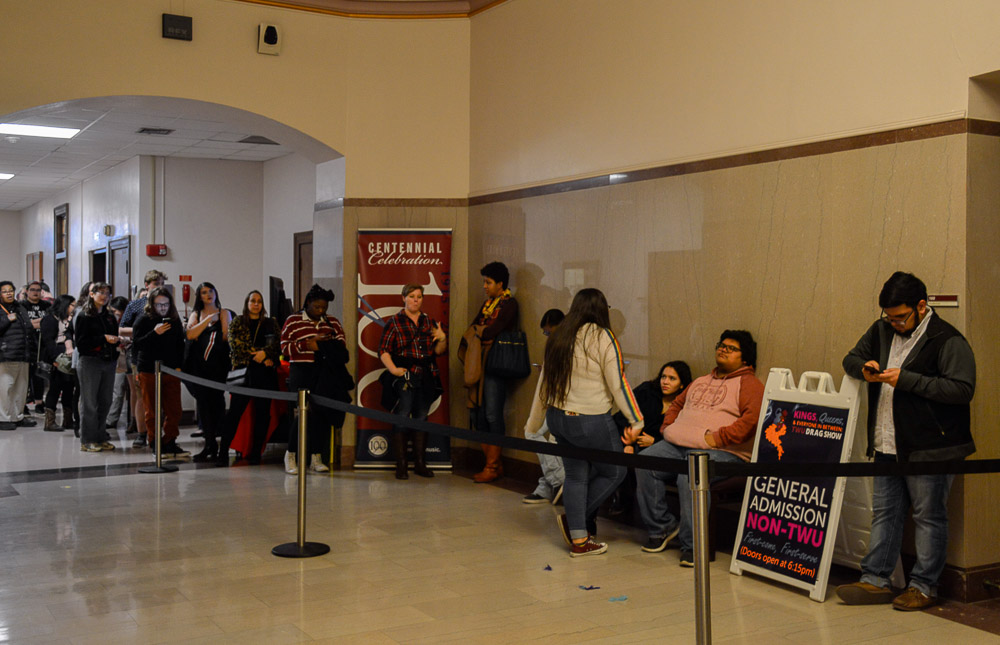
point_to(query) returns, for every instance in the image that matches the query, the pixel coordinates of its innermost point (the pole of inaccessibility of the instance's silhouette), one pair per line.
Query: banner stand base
(307, 550)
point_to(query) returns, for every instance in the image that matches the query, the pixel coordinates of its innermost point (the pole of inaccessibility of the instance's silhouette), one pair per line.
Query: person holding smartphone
(208, 357)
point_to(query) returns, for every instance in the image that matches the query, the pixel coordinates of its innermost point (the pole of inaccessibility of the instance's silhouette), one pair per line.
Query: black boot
(209, 452)
(399, 446)
(419, 455)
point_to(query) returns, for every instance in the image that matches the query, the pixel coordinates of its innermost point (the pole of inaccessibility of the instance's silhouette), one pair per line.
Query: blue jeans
(489, 414)
(587, 484)
(553, 473)
(652, 494)
(891, 498)
(412, 403)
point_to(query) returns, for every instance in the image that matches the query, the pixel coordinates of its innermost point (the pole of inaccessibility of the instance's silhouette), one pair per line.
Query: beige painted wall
(570, 88)
(392, 96)
(794, 251)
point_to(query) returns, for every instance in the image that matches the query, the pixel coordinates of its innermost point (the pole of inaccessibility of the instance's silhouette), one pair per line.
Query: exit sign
(184, 278)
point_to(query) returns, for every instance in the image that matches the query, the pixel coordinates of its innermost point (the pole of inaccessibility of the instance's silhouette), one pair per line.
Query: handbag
(43, 369)
(237, 377)
(65, 364)
(508, 357)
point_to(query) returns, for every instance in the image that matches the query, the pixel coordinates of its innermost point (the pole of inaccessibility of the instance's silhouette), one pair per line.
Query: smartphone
(871, 370)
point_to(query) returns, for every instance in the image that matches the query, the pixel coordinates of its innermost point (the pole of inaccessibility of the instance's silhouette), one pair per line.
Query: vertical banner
(788, 525)
(389, 259)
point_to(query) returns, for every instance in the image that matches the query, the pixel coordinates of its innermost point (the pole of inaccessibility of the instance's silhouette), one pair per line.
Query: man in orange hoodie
(717, 414)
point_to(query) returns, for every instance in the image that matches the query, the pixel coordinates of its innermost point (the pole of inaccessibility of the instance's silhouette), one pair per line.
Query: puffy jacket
(18, 340)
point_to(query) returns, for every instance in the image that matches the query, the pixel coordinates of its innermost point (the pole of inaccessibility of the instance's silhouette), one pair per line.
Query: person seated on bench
(717, 414)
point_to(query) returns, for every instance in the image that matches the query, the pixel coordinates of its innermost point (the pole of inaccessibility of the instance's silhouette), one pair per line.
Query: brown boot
(493, 469)
(419, 455)
(399, 447)
(50, 422)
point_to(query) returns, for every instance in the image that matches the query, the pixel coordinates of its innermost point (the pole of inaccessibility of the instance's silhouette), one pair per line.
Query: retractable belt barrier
(716, 469)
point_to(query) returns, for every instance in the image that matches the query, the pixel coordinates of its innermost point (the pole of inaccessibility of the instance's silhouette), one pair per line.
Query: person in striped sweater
(583, 376)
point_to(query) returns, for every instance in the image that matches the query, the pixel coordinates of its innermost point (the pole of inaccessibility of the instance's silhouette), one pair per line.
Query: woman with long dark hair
(582, 377)
(253, 344)
(62, 384)
(96, 337)
(208, 357)
(158, 335)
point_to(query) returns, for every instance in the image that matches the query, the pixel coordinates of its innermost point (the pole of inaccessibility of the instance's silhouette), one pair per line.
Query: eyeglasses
(727, 349)
(896, 320)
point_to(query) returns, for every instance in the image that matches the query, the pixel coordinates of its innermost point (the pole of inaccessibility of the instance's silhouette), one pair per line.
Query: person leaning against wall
(17, 351)
(486, 394)
(921, 376)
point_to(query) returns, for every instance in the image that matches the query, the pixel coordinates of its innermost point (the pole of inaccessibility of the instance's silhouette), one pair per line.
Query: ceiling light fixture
(5, 175)
(38, 131)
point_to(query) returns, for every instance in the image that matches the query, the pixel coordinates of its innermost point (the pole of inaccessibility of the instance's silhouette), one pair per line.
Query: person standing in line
(208, 331)
(583, 376)
(253, 343)
(118, 305)
(410, 343)
(488, 393)
(56, 347)
(36, 307)
(316, 347)
(97, 340)
(158, 335)
(17, 351)
(921, 376)
(550, 484)
(152, 280)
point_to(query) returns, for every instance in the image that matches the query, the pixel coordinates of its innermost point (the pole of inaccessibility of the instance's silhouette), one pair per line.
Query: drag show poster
(389, 259)
(788, 524)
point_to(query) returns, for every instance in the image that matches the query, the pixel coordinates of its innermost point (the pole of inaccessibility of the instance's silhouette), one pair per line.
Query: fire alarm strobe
(156, 250)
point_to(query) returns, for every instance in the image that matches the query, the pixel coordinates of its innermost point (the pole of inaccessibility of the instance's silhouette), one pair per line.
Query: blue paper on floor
(617, 598)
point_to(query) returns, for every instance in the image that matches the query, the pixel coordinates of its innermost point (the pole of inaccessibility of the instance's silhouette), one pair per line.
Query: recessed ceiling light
(5, 175)
(38, 131)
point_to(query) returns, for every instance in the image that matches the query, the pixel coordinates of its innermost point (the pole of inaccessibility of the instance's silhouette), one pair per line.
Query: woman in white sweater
(582, 378)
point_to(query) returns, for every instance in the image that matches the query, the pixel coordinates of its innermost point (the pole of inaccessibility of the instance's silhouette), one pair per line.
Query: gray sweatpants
(13, 390)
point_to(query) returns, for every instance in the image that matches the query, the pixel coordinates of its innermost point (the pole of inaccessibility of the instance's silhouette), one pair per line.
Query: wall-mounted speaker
(268, 39)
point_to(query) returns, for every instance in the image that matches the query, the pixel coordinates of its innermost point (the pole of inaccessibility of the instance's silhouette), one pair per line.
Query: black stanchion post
(159, 467)
(699, 483)
(301, 548)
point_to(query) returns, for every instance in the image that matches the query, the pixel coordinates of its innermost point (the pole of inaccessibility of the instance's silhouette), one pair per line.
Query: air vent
(161, 132)
(256, 138)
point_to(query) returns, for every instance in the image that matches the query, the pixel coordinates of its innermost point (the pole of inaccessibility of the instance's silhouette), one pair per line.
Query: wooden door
(303, 266)
(119, 272)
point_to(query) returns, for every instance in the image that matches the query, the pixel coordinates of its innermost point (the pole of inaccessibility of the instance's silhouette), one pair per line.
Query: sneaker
(534, 498)
(564, 528)
(107, 445)
(913, 600)
(291, 467)
(317, 465)
(91, 447)
(8, 425)
(657, 544)
(140, 441)
(27, 422)
(864, 593)
(558, 495)
(587, 548)
(171, 449)
(687, 558)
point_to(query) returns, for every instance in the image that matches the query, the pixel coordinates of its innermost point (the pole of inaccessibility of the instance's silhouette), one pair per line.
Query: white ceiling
(44, 167)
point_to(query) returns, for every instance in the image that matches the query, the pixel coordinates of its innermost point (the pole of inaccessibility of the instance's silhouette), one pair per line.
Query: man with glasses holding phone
(717, 414)
(36, 308)
(921, 376)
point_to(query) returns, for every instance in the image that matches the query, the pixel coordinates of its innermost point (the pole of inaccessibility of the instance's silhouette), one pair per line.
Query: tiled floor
(186, 558)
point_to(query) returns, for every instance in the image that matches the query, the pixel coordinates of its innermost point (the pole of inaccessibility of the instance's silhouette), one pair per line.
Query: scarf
(489, 307)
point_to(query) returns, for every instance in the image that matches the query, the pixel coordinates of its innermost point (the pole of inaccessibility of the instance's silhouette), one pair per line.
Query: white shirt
(885, 429)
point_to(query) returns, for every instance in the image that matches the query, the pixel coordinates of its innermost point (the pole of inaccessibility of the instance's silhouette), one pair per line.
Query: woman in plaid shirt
(410, 342)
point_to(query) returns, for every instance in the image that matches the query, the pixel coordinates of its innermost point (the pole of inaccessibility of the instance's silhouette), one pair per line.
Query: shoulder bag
(508, 357)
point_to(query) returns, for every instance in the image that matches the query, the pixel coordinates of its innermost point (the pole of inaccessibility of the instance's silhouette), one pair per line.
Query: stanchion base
(157, 469)
(307, 550)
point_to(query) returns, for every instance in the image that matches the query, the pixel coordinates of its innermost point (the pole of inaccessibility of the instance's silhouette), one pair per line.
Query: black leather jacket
(17, 337)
